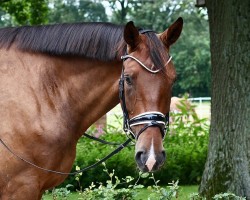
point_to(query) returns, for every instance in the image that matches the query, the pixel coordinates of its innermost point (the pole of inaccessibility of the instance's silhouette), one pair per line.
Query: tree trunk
(228, 162)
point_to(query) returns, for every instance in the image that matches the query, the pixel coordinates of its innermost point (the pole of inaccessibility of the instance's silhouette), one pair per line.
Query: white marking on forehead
(151, 158)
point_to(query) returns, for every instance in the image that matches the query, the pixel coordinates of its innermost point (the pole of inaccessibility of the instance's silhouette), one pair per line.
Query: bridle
(148, 119)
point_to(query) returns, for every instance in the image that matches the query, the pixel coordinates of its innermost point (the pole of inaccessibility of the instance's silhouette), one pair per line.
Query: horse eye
(128, 80)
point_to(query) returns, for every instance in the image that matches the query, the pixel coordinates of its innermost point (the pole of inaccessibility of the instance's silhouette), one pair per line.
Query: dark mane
(92, 40)
(157, 51)
(102, 41)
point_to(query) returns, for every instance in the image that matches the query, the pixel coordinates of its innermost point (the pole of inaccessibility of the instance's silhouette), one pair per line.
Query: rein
(117, 150)
(150, 119)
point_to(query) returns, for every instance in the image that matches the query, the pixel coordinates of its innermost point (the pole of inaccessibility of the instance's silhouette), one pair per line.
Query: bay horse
(57, 80)
(184, 106)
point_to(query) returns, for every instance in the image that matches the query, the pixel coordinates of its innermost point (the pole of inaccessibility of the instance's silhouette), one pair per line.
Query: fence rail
(203, 110)
(200, 99)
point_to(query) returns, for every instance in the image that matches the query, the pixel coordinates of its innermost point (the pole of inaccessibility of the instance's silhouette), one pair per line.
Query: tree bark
(228, 162)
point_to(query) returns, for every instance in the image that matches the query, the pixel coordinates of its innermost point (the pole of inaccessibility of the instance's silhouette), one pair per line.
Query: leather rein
(148, 119)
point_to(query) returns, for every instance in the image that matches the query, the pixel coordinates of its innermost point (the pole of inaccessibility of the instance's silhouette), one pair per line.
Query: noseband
(148, 119)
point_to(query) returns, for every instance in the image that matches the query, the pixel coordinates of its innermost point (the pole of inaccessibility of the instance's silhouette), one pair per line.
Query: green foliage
(163, 193)
(120, 10)
(29, 12)
(221, 196)
(72, 11)
(191, 56)
(196, 196)
(186, 147)
(227, 196)
(33, 12)
(61, 193)
(110, 190)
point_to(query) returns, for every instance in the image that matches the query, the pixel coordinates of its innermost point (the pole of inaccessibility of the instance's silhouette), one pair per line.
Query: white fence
(200, 99)
(202, 109)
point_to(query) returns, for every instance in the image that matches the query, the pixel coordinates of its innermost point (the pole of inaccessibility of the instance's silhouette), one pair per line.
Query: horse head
(145, 90)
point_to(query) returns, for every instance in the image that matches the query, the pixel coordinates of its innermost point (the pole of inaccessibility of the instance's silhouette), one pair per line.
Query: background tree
(76, 11)
(191, 53)
(120, 10)
(30, 12)
(4, 18)
(192, 56)
(228, 163)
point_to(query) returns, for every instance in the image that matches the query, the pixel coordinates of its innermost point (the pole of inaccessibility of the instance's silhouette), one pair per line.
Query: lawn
(184, 194)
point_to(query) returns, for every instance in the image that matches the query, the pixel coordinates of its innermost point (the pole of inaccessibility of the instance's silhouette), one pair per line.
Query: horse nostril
(162, 158)
(147, 162)
(140, 157)
(138, 154)
(163, 154)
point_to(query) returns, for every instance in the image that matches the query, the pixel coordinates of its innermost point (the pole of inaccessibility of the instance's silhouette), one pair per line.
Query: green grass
(184, 194)
(186, 191)
(72, 196)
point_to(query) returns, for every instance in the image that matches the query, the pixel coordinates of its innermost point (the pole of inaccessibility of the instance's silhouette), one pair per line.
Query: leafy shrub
(228, 196)
(61, 193)
(110, 191)
(186, 147)
(221, 196)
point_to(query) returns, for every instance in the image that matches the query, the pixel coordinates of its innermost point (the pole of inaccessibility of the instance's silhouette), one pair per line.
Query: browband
(144, 66)
(142, 31)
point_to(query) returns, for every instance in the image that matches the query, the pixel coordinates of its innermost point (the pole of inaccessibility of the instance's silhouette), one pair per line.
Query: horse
(177, 103)
(57, 80)
(181, 105)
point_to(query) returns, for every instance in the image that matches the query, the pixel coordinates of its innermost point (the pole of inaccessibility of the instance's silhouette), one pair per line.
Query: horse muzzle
(151, 127)
(148, 161)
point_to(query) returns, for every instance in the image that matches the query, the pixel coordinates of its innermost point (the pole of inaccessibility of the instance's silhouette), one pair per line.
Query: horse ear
(131, 35)
(169, 36)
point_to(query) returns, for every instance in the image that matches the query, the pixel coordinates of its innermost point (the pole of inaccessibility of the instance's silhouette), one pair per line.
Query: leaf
(138, 186)
(144, 175)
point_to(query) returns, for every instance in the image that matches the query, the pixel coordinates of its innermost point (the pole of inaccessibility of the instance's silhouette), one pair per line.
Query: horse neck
(91, 88)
